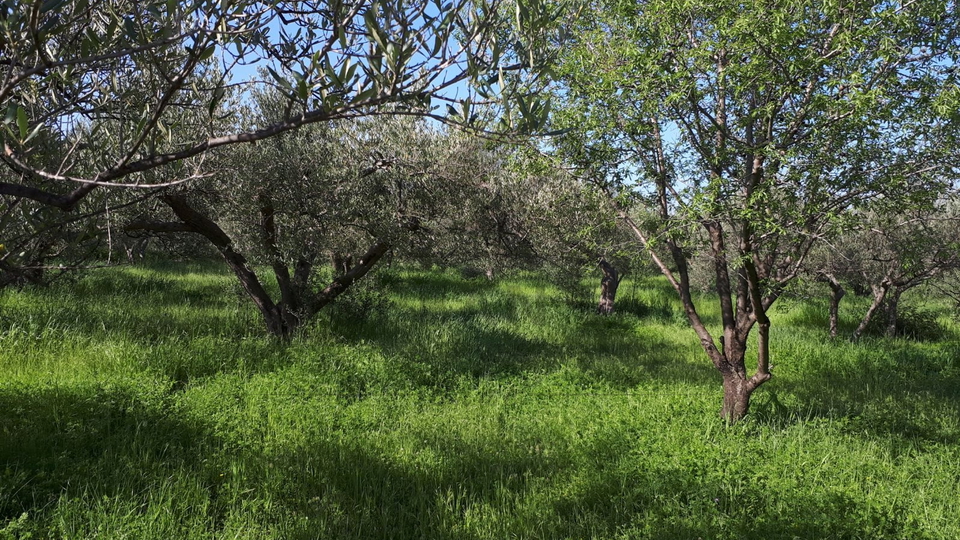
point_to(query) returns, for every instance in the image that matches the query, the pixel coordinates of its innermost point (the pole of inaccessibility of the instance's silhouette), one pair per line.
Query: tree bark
(736, 397)
(893, 303)
(279, 317)
(609, 284)
(341, 283)
(272, 314)
(879, 293)
(289, 307)
(837, 294)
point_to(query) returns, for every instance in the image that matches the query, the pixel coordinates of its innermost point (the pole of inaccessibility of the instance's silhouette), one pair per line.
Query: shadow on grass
(894, 389)
(351, 491)
(500, 338)
(138, 303)
(435, 285)
(92, 444)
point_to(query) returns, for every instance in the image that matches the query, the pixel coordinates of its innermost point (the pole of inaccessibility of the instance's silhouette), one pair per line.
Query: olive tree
(119, 75)
(133, 96)
(743, 130)
(887, 253)
(348, 191)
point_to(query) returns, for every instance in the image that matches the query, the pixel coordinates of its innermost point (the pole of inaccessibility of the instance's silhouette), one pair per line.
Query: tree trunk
(736, 397)
(274, 316)
(837, 294)
(879, 293)
(609, 284)
(893, 302)
(341, 283)
(296, 306)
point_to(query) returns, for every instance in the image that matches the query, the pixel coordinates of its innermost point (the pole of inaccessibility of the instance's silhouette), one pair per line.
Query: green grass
(147, 403)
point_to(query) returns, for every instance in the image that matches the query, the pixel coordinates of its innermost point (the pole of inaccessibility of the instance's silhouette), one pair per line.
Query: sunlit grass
(148, 403)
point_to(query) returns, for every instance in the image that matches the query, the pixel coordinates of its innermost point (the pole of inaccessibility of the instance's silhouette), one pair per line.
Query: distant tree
(573, 229)
(742, 131)
(888, 253)
(347, 192)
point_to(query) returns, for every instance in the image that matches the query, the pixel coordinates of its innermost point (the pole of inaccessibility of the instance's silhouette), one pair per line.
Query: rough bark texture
(879, 293)
(609, 284)
(893, 307)
(736, 397)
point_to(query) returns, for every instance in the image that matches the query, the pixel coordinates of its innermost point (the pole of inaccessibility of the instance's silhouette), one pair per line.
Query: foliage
(141, 82)
(746, 131)
(887, 253)
(913, 322)
(365, 300)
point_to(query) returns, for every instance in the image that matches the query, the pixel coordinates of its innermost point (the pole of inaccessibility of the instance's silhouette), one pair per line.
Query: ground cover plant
(146, 402)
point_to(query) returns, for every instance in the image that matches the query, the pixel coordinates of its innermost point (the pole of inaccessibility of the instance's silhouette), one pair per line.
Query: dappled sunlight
(461, 409)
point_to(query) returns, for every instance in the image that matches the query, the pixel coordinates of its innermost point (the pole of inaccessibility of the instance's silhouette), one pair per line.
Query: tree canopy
(141, 82)
(746, 128)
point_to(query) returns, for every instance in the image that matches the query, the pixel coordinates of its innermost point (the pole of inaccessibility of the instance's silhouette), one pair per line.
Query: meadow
(147, 402)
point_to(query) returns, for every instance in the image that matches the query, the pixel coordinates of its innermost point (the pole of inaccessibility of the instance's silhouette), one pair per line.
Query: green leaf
(22, 122)
(33, 133)
(208, 52)
(217, 96)
(370, 19)
(280, 80)
(11, 115)
(130, 27)
(302, 90)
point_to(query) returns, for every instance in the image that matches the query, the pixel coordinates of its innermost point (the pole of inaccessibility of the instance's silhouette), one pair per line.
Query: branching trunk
(341, 283)
(272, 313)
(289, 307)
(837, 293)
(879, 293)
(297, 304)
(609, 284)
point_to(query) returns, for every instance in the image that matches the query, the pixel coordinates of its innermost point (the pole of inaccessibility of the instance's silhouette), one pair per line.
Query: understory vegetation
(147, 402)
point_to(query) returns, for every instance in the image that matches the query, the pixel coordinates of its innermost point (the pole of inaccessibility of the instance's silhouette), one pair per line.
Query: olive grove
(135, 95)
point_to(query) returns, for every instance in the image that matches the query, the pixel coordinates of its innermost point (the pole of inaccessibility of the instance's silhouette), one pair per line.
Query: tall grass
(148, 403)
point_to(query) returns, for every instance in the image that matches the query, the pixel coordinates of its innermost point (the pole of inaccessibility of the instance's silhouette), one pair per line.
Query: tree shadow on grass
(85, 446)
(461, 490)
(444, 484)
(437, 285)
(466, 342)
(143, 308)
(896, 390)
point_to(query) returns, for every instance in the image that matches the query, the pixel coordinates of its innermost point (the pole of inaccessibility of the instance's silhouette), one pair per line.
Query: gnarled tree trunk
(609, 284)
(836, 294)
(297, 304)
(879, 293)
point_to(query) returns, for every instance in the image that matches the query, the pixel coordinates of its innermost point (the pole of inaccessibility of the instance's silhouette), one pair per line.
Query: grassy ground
(146, 403)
